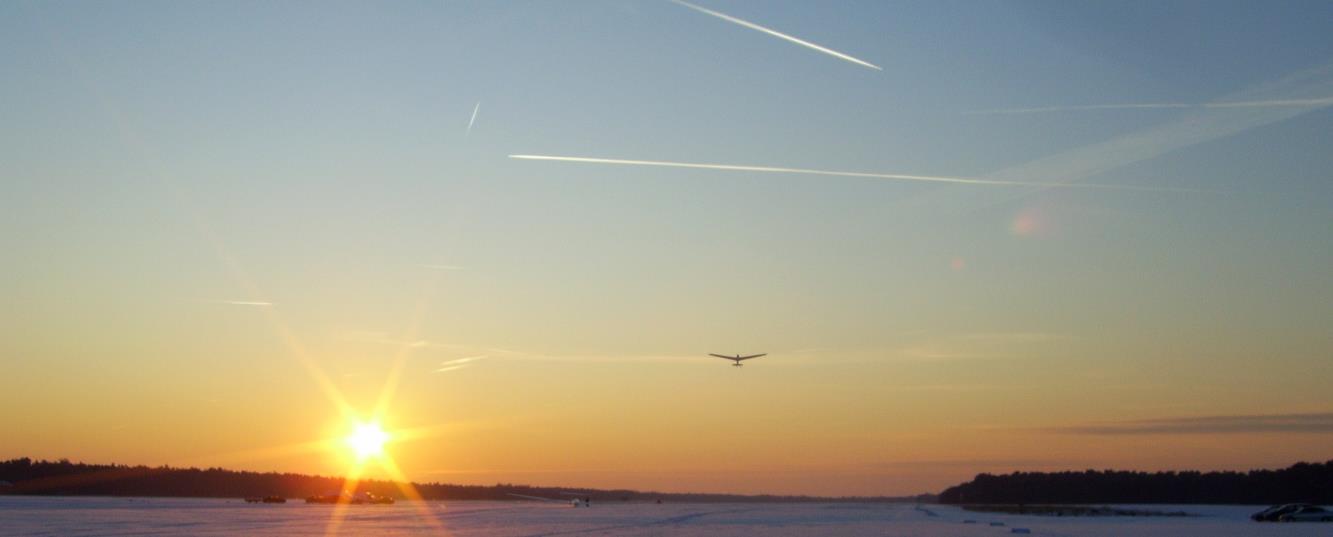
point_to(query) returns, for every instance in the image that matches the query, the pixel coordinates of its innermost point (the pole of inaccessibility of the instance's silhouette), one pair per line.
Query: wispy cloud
(1269, 423)
(473, 120)
(1272, 103)
(780, 35)
(1196, 127)
(242, 302)
(807, 171)
(459, 363)
(1193, 127)
(464, 360)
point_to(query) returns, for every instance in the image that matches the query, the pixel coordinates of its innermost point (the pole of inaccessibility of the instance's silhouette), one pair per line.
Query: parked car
(1308, 513)
(1272, 513)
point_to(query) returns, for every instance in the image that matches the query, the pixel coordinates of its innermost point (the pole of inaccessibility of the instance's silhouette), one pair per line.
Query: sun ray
(405, 486)
(434, 431)
(370, 438)
(340, 507)
(148, 159)
(390, 387)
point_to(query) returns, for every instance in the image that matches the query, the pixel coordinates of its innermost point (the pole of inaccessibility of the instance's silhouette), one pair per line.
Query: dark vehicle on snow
(1272, 513)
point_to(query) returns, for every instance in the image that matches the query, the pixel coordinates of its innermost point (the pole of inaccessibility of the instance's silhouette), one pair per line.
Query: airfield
(85, 516)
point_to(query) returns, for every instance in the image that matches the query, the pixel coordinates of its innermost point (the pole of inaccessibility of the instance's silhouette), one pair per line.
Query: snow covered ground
(66, 516)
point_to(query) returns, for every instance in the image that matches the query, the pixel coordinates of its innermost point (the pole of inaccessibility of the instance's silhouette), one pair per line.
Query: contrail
(461, 361)
(779, 35)
(453, 365)
(1277, 103)
(806, 171)
(475, 109)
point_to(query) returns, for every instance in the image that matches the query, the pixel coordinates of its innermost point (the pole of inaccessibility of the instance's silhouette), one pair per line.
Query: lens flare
(1028, 223)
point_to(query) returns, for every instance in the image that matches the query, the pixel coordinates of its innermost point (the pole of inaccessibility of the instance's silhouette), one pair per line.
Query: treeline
(65, 478)
(1302, 482)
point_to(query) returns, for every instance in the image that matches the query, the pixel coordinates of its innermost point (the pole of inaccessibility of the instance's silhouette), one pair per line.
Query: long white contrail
(807, 171)
(1276, 103)
(779, 35)
(475, 109)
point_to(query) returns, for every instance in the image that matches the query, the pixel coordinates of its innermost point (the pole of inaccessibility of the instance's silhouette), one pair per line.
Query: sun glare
(367, 440)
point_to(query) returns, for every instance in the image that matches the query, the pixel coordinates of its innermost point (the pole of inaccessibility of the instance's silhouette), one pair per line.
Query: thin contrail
(461, 361)
(454, 365)
(779, 35)
(475, 109)
(1277, 103)
(806, 171)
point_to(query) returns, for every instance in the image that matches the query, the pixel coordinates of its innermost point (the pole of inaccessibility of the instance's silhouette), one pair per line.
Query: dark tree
(77, 479)
(1302, 482)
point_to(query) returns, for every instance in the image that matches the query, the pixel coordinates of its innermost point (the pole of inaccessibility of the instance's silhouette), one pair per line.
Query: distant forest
(64, 478)
(1302, 482)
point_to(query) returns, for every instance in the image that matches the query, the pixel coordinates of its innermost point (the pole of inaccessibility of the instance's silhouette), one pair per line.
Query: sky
(231, 230)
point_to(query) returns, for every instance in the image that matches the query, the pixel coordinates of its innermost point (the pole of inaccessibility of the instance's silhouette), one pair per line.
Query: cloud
(444, 267)
(1193, 127)
(1268, 423)
(807, 171)
(1272, 103)
(1202, 125)
(779, 35)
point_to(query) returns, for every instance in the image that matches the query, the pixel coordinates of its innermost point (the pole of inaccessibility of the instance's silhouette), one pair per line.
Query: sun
(367, 440)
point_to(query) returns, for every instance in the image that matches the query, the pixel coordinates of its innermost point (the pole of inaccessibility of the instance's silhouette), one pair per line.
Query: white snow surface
(81, 516)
